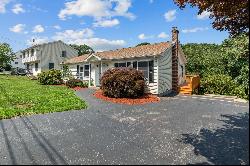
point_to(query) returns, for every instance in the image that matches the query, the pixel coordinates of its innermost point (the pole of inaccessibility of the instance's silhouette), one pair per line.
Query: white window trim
(141, 60)
(86, 70)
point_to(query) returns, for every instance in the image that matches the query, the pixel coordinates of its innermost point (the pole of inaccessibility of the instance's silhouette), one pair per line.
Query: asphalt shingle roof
(126, 53)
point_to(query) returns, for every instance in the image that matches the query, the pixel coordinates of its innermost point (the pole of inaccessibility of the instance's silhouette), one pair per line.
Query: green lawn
(20, 96)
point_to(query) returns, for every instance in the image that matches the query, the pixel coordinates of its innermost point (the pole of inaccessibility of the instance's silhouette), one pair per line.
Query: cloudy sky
(102, 24)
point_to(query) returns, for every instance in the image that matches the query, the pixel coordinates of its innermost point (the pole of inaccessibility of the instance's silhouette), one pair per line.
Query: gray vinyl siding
(165, 73)
(52, 53)
(49, 53)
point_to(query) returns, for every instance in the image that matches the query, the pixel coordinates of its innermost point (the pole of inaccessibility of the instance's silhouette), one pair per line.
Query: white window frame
(142, 60)
(86, 70)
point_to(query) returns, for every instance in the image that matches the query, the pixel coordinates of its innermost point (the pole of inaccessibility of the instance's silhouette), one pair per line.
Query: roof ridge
(134, 47)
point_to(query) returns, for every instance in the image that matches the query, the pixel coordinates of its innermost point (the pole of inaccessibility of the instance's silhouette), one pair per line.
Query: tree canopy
(229, 15)
(6, 55)
(142, 44)
(82, 49)
(228, 60)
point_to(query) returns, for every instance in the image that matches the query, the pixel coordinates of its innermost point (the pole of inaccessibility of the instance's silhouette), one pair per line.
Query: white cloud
(2, 5)
(38, 40)
(170, 15)
(106, 23)
(38, 29)
(57, 27)
(121, 9)
(85, 36)
(163, 35)
(193, 30)
(204, 15)
(99, 44)
(144, 37)
(72, 35)
(19, 28)
(98, 9)
(18, 8)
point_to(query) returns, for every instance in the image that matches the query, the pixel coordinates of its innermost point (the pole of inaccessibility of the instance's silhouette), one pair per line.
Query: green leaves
(82, 49)
(230, 59)
(6, 54)
(72, 83)
(123, 83)
(51, 77)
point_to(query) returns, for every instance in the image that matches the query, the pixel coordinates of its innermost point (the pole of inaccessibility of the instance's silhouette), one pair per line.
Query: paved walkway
(178, 130)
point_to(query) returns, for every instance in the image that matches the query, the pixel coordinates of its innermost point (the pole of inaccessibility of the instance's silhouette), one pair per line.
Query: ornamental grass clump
(123, 83)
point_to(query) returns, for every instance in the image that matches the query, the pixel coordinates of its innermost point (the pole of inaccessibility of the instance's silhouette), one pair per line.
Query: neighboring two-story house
(47, 56)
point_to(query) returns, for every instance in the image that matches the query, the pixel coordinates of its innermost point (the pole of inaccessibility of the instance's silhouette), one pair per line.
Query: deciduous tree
(82, 49)
(6, 55)
(229, 15)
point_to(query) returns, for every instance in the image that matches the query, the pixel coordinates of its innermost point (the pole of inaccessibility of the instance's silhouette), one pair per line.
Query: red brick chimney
(175, 48)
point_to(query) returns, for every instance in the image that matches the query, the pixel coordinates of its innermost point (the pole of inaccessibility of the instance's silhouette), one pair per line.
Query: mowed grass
(21, 96)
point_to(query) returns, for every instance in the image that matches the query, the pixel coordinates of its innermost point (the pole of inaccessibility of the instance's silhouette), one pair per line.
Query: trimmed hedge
(72, 83)
(51, 77)
(123, 83)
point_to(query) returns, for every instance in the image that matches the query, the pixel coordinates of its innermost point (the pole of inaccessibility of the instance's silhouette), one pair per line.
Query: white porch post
(101, 69)
(89, 75)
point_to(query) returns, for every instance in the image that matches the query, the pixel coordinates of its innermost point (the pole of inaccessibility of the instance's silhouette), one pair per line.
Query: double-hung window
(86, 70)
(51, 66)
(32, 52)
(147, 67)
(36, 66)
(64, 53)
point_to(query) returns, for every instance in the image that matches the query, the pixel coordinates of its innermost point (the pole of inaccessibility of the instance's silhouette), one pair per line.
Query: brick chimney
(175, 48)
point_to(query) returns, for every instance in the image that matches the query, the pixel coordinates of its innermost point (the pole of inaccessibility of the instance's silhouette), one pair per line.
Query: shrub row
(55, 77)
(72, 83)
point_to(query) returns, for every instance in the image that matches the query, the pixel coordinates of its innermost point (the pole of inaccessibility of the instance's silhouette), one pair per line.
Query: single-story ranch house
(163, 64)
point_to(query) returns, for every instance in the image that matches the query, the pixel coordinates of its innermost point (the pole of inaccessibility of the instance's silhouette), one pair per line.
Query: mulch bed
(148, 98)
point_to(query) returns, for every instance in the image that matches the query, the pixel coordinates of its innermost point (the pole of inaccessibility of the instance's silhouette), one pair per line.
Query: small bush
(123, 83)
(222, 85)
(72, 83)
(66, 73)
(51, 77)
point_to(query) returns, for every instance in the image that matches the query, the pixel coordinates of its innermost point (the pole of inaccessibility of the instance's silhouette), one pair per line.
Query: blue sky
(102, 24)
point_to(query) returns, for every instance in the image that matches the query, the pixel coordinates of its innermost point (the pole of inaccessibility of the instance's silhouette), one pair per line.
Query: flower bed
(142, 100)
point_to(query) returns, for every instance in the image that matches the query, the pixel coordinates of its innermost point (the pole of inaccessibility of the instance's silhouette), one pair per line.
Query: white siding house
(155, 61)
(17, 62)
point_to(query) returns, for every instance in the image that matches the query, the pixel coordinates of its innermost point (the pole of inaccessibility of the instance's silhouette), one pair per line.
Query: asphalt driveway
(178, 130)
